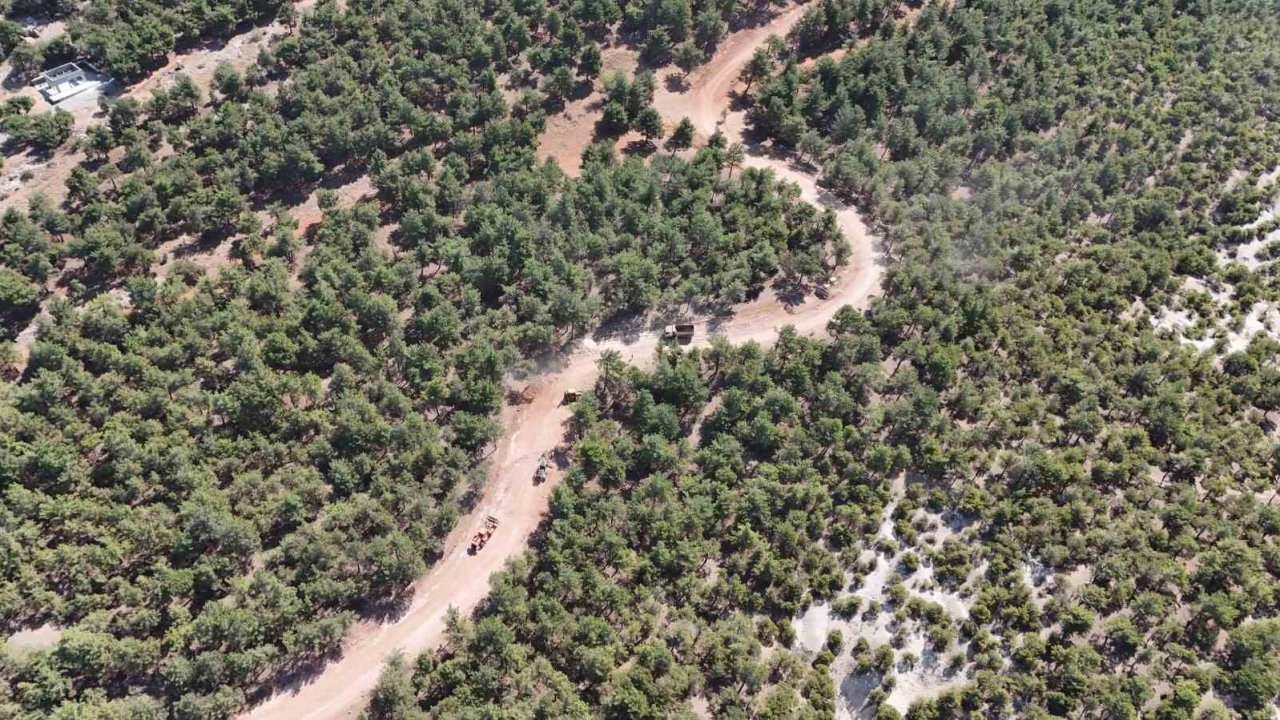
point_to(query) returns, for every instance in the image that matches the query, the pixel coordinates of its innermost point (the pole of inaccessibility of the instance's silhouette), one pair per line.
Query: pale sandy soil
(1185, 141)
(460, 580)
(955, 605)
(1036, 576)
(199, 63)
(1268, 214)
(48, 176)
(701, 708)
(925, 680)
(928, 676)
(1235, 334)
(45, 31)
(46, 635)
(1236, 177)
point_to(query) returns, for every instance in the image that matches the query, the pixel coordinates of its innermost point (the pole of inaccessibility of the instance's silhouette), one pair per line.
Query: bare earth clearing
(569, 132)
(460, 580)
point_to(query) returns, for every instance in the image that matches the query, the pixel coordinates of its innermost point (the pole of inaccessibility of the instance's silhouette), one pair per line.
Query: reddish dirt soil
(708, 90)
(460, 580)
(703, 98)
(834, 55)
(570, 132)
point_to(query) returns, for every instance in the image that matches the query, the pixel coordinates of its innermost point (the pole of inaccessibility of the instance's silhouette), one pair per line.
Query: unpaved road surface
(461, 580)
(708, 92)
(704, 96)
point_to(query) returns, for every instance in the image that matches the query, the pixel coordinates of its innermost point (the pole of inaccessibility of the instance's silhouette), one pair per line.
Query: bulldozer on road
(486, 531)
(681, 333)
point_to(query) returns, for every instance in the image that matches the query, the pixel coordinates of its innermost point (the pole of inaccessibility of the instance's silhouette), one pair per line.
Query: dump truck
(486, 531)
(570, 396)
(680, 332)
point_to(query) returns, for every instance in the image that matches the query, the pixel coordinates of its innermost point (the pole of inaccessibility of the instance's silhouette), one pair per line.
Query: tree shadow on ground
(297, 672)
(855, 690)
(625, 326)
(791, 290)
(390, 607)
(641, 148)
(14, 319)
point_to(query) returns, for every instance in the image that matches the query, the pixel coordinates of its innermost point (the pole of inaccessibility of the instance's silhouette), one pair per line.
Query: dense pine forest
(1036, 478)
(209, 472)
(1007, 477)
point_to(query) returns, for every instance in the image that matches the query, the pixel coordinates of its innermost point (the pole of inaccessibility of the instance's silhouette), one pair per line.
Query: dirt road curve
(705, 101)
(461, 580)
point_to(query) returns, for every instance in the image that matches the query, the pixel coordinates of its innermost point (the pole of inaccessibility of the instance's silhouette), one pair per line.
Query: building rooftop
(68, 79)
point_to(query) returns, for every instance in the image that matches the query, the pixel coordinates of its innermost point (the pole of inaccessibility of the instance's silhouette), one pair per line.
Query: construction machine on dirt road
(544, 467)
(680, 333)
(486, 531)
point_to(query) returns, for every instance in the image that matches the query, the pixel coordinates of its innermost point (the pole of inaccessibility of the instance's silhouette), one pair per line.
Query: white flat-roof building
(68, 79)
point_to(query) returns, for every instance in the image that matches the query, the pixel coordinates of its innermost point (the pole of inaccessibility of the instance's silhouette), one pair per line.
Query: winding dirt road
(461, 580)
(709, 89)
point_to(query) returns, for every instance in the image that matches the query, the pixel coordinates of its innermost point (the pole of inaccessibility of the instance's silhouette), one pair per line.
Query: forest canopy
(239, 428)
(209, 473)
(1008, 465)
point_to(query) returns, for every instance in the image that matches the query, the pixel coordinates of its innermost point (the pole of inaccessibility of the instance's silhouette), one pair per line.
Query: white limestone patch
(920, 672)
(1221, 324)
(813, 626)
(927, 678)
(956, 606)
(1269, 178)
